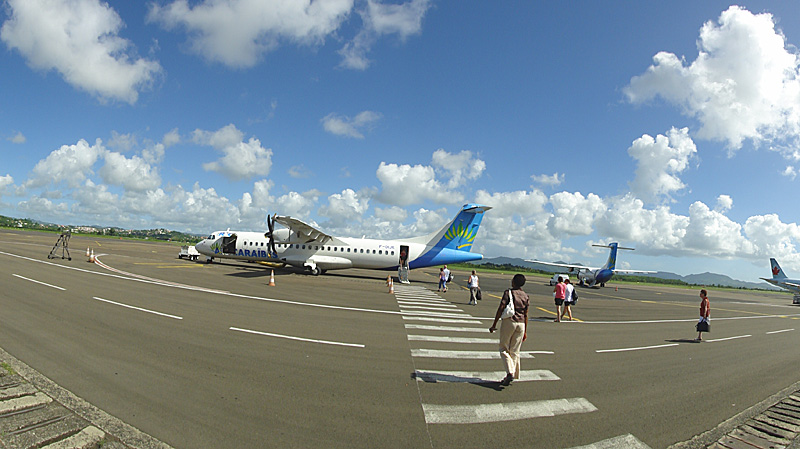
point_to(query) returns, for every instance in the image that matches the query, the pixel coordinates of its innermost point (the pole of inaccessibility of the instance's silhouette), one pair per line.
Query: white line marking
(289, 337)
(442, 320)
(510, 411)
(474, 355)
(425, 303)
(494, 341)
(728, 338)
(442, 308)
(38, 282)
(770, 333)
(447, 328)
(435, 314)
(625, 441)
(138, 308)
(482, 377)
(637, 349)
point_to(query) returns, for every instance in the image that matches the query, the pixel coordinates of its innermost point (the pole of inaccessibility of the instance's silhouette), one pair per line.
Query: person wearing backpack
(569, 299)
(514, 329)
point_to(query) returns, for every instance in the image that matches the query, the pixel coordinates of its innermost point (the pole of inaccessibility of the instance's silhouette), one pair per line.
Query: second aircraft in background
(588, 276)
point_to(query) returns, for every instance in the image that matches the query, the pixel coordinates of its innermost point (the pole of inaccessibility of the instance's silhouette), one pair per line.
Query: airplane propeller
(269, 236)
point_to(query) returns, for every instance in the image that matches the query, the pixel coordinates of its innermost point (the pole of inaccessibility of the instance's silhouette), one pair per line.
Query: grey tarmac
(330, 360)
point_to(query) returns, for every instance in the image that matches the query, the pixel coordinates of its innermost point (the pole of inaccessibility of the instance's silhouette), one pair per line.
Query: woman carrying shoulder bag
(513, 330)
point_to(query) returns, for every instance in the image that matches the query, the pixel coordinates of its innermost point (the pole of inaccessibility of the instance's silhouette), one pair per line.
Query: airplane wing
(571, 268)
(779, 282)
(633, 272)
(303, 232)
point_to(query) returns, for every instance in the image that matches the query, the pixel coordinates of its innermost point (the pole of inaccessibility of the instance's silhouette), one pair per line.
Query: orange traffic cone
(616, 289)
(87, 251)
(272, 278)
(91, 257)
(391, 285)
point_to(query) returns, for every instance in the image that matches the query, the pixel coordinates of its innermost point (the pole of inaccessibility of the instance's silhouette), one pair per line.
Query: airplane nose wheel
(316, 271)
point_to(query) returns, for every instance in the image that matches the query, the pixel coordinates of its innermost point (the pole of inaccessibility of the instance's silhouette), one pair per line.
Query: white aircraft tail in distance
(780, 279)
(304, 246)
(589, 276)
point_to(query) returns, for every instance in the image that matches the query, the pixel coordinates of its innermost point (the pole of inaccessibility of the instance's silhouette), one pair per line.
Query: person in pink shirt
(559, 291)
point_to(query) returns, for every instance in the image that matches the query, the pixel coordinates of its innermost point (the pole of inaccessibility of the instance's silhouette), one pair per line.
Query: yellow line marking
(98, 243)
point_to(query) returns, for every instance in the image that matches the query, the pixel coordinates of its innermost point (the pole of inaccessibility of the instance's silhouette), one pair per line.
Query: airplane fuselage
(339, 253)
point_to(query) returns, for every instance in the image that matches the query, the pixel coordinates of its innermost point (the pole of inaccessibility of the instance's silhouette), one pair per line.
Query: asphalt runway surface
(208, 355)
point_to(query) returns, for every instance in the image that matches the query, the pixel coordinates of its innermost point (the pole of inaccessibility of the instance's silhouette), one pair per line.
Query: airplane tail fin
(611, 263)
(777, 272)
(459, 233)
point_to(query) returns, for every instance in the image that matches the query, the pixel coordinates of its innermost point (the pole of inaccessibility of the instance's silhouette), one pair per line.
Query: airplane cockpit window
(211, 237)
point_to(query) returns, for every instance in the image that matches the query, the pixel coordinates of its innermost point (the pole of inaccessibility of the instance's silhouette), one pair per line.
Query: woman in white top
(568, 302)
(473, 289)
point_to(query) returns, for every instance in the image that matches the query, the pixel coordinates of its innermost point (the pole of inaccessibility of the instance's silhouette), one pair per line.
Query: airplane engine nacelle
(587, 278)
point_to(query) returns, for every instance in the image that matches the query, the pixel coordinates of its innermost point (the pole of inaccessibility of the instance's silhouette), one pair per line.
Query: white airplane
(303, 246)
(589, 276)
(780, 279)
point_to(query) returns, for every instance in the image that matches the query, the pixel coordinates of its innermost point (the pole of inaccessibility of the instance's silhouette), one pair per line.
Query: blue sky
(671, 127)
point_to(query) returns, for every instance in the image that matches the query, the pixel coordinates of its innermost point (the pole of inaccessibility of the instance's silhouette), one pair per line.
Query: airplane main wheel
(316, 271)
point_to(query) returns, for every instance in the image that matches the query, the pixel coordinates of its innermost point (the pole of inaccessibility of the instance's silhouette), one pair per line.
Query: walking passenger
(513, 330)
(568, 301)
(473, 289)
(705, 312)
(559, 292)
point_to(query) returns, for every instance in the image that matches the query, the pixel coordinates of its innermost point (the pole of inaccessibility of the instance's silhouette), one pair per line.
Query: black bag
(703, 326)
(574, 297)
(478, 294)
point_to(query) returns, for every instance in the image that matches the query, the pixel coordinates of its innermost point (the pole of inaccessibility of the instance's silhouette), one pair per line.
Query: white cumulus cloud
(80, 40)
(744, 83)
(659, 161)
(241, 160)
(238, 33)
(350, 127)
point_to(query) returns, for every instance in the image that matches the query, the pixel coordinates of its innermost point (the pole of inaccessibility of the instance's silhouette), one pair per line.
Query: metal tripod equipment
(63, 243)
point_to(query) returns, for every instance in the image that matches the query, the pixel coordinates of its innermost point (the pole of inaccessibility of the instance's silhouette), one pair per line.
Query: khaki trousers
(510, 343)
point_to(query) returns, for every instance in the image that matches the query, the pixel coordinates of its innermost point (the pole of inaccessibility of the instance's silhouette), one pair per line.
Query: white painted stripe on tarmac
(768, 333)
(621, 442)
(38, 282)
(426, 303)
(728, 338)
(289, 337)
(473, 355)
(442, 320)
(482, 376)
(434, 314)
(511, 411)
(174, 317)
(442, 307)
(493, 341)
(424, 327)
(640, 348)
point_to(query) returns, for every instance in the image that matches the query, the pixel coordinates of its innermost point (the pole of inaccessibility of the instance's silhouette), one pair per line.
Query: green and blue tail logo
(462, 235)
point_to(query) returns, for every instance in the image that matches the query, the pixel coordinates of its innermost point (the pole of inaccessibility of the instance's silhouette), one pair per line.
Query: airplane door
(402, 270)
(403, 256)
(229, 245)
